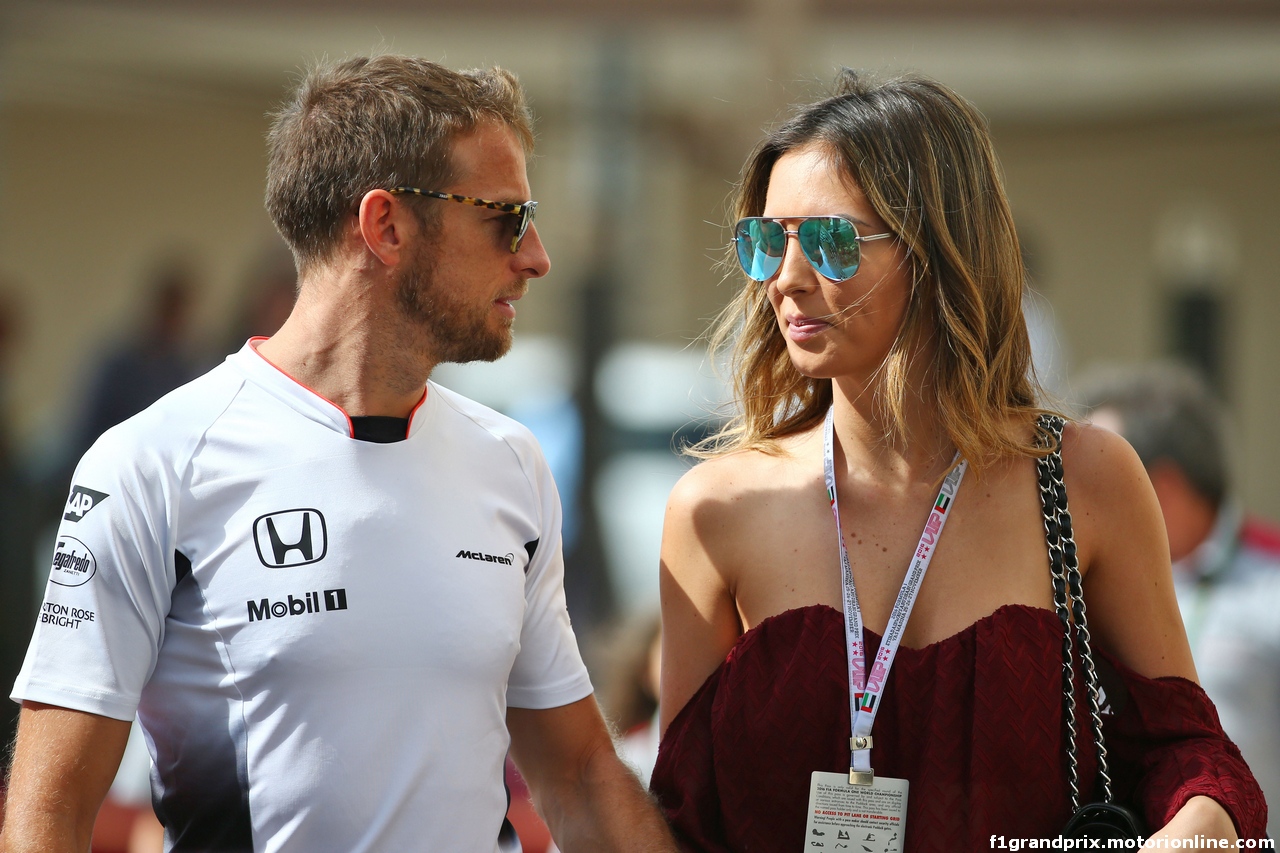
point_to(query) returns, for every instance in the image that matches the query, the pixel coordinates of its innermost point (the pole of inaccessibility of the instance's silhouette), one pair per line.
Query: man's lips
(504, 303)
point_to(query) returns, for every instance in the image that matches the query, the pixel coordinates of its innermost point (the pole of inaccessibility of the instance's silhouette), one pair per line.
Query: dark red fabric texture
(975, 722)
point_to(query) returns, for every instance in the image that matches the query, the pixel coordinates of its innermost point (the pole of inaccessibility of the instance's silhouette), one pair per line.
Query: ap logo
(81, 501)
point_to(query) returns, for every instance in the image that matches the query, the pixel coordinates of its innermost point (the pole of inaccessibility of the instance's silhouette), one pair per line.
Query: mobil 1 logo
(81, 501)
(308, 602)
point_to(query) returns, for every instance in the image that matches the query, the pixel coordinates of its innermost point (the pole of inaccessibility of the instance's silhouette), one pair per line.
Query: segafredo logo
(73, 562)
(485, 558)
(291, 537)
(81, 501)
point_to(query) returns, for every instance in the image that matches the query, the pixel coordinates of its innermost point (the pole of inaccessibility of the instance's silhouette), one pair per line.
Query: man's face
(461, 280)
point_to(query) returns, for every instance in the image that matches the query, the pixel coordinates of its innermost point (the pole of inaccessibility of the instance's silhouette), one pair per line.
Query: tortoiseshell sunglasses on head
(524, 210)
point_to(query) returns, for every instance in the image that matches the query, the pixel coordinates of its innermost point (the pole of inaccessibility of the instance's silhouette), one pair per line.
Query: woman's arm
(699, 615)
(1124, 554)
(1128, 582)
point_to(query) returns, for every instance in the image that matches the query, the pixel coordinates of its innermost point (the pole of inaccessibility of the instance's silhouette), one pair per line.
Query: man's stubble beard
(455, 331)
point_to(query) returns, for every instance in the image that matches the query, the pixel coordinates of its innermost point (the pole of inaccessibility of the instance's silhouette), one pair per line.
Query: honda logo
(291, 537)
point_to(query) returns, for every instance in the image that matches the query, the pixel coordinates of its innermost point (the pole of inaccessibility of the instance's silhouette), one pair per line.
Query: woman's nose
(795, 272)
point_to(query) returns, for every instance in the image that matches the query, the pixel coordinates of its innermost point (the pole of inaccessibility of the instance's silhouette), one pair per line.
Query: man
(333, 597)
(1226, 563)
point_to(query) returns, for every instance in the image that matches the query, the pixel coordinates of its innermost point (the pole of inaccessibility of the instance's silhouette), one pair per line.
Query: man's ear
(385, 224)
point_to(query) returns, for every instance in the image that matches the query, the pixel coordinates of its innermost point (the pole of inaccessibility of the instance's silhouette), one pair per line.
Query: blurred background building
(1139, 139)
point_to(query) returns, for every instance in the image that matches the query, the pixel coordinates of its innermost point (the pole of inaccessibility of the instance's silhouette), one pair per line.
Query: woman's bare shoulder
(1100, 467)
(1124, 553)
(726, 506)
(727, 479)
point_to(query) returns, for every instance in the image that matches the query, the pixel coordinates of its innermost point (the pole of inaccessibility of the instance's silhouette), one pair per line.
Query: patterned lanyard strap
(864, 690)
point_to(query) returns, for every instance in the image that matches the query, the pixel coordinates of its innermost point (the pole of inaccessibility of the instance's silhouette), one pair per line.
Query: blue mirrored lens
(760, 245)
(831, 245)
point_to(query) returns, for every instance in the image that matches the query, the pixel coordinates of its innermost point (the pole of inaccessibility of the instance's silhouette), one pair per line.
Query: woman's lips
(802, 328)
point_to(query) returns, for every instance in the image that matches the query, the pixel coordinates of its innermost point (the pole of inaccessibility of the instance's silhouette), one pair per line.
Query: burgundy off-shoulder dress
(975, 722)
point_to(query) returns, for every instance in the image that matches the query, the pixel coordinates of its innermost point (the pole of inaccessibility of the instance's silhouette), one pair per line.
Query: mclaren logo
(485, 558)
(291, 537)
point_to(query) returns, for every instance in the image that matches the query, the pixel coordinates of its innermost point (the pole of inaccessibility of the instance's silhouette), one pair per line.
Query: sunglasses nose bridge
(786, 244)
(790, 278)
(806, 253)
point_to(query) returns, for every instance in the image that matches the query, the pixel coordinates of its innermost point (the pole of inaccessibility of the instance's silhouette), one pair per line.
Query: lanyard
(864, 690)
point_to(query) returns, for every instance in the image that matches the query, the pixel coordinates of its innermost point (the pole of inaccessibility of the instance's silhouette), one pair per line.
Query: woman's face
(834, 328)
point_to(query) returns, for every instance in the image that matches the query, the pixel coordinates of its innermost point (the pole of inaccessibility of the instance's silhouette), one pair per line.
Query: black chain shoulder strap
(1068, 603)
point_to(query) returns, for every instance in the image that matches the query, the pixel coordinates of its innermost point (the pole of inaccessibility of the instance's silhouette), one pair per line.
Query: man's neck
(347, 341)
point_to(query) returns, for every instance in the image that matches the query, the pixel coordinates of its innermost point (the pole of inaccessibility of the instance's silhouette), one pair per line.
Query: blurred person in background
(11, 326)
(17, 598)
(152, 359)
(331, 589)
(880, 352)
(127, 823)
(630, 668)
(266, 299)
(1226, 561)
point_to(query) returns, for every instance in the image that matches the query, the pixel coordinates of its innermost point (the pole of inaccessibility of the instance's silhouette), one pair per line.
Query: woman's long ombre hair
(922, 156)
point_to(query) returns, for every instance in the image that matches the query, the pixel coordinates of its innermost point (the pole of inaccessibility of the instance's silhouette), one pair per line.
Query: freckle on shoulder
(1096, 458)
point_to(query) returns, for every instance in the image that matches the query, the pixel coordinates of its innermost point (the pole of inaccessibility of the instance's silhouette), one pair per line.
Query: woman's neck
(919, 450)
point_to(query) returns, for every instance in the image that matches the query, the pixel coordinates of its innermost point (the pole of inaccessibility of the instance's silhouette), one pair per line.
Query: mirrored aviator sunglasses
(831, 245)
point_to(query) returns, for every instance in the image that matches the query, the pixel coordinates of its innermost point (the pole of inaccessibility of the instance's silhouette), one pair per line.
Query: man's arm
(63, 765)
(589, 798)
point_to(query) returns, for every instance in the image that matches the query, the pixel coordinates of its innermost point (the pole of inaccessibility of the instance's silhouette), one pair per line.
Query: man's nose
(532, 255)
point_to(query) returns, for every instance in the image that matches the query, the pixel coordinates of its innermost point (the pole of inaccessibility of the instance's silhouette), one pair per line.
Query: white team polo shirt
(320, 635)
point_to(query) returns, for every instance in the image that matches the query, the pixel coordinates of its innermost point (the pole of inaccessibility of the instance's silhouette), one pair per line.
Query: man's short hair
(369, 123)
(1167, 413)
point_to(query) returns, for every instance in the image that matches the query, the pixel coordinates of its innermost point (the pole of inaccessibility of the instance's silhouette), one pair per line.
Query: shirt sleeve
(548, 671)
(1166, 746)
(101, 622)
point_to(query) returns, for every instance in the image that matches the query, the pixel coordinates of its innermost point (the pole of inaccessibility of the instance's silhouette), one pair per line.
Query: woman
(896, 310)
